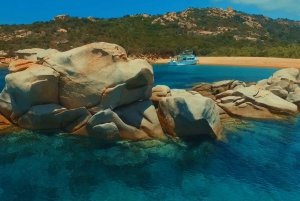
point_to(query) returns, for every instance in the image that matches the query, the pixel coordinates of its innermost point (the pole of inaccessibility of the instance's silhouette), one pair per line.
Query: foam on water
(257, 161)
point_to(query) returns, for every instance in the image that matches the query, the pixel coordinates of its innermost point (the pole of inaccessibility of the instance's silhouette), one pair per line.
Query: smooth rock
(190, 114)
(266, 99)
(262, 83)
(229, 99)
(105, 124)
(24, 89)
(98, 76)
(53, 116)
(224, 94)
(278, 91)
(141, 115)
(223, 83)
(101, 126)
(247, 109)
(287, 73)
(237, 84)
(294, 97)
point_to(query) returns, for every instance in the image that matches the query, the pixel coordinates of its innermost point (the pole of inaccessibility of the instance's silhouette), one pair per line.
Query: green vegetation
(209, 32)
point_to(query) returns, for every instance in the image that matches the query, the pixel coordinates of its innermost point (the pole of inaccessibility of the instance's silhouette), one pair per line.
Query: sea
(257, 160)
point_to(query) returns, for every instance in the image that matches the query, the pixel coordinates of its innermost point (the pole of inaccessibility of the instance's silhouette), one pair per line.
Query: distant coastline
(266, 62)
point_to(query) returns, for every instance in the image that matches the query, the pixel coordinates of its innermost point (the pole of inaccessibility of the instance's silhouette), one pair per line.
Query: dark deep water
(258, 161)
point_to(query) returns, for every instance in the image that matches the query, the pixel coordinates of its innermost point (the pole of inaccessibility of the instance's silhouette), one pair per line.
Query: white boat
(186, 58)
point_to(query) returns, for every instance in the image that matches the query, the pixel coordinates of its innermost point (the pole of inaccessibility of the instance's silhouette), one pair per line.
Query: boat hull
(176, 63)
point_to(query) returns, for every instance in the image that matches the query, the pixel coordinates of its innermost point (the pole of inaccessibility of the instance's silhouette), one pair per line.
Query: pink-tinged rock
(20, 65)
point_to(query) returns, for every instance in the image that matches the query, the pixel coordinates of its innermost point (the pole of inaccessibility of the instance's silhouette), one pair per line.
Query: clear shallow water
(258, 161)
(187, 76)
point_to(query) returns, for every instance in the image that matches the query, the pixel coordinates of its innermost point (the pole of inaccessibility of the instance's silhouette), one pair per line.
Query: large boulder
(141, 115)
(98, 76)
(33, 86)
(282, 83)
(189, 113)
(287, 73)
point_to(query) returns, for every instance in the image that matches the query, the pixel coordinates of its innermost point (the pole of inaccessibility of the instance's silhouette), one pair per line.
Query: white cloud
(287, 6)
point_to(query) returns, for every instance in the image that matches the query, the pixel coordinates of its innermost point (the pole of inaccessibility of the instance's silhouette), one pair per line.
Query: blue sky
(20, 11)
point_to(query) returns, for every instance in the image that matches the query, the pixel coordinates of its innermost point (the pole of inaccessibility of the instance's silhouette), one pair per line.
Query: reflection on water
(257, 161)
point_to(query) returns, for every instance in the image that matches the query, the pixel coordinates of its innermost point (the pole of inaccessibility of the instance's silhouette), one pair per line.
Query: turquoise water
(187, 76)
(257, 161)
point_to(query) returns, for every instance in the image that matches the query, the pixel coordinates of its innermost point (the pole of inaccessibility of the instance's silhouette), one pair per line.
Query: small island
(97, 91)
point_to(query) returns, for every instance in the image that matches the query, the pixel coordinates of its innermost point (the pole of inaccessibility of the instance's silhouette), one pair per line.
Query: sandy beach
(244, 61)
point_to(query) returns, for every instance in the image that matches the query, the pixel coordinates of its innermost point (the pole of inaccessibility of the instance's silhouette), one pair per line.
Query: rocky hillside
(208, 31)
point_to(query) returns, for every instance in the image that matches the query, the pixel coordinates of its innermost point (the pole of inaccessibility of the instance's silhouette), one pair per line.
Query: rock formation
(183, 113)
(268, 98)
(283, 83)
(94, 90)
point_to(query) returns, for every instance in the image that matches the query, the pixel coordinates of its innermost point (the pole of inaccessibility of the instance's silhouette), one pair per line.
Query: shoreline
(255, 62)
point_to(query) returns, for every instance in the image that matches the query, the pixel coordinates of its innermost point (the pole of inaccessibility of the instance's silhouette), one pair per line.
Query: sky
(26, 12)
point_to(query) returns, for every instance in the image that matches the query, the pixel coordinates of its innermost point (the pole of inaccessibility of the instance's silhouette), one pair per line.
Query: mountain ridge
(207, 31)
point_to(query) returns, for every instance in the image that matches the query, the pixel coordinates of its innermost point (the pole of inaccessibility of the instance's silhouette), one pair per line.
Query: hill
(207, 31)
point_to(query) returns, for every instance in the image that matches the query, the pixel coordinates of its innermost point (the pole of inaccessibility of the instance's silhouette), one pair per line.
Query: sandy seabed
(244, 61)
